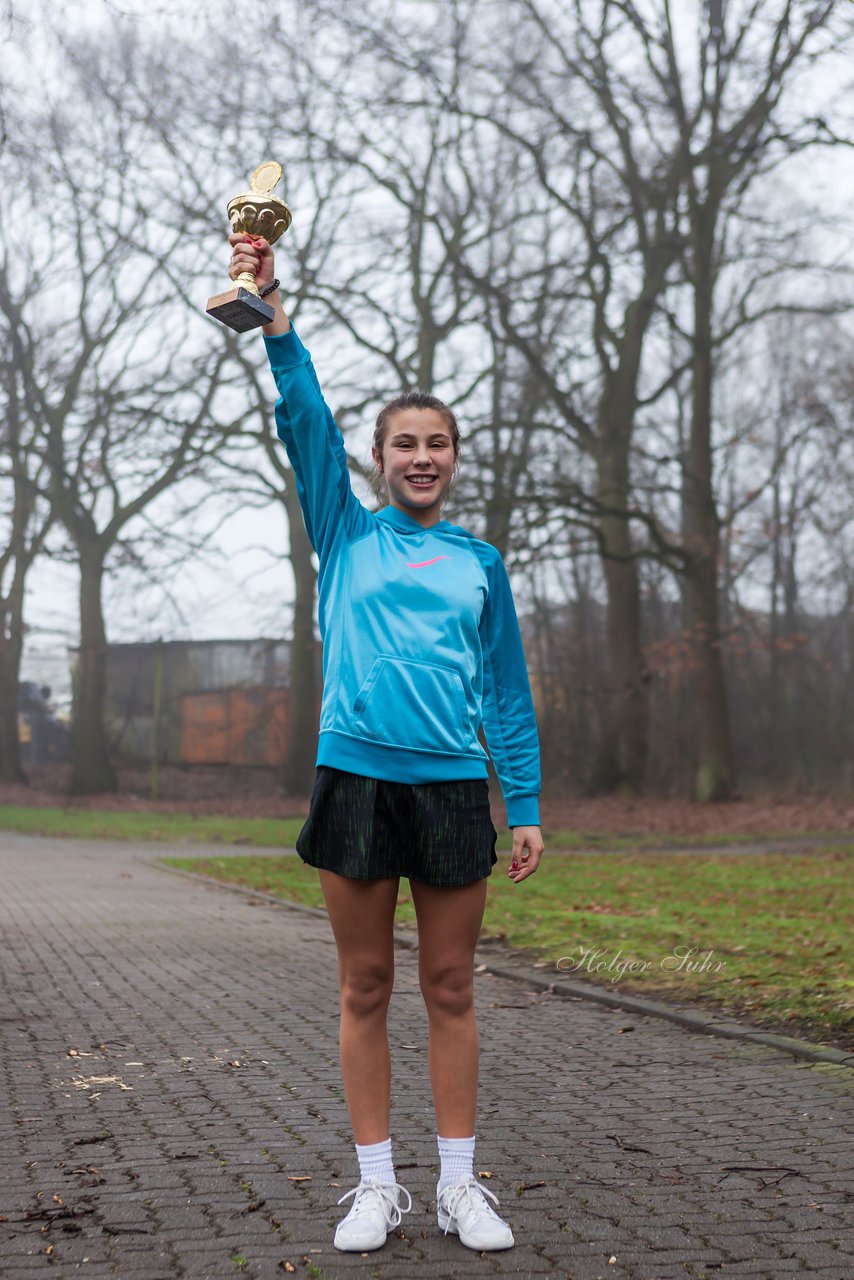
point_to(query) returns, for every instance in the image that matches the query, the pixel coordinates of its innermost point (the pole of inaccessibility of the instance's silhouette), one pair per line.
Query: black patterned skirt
(436, 833)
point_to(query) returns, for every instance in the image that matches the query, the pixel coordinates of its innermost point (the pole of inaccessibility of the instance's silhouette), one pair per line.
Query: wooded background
(601, 231)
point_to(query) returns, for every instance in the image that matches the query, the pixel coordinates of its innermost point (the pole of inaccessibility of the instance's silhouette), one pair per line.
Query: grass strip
(767, 936)
(109, 824)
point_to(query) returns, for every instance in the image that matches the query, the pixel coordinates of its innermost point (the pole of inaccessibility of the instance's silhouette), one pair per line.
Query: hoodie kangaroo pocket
(413, 704)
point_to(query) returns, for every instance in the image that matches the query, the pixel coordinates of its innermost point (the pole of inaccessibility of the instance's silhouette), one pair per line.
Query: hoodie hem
(394, 764)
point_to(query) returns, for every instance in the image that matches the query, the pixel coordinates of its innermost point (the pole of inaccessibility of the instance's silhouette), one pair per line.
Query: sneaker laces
(468, 1190)
(382, 1191)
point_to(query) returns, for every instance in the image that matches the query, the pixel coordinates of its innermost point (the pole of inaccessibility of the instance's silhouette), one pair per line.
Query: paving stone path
(171, 1106)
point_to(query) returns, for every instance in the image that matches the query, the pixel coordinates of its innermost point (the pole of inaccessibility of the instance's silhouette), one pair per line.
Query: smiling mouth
(421, 482)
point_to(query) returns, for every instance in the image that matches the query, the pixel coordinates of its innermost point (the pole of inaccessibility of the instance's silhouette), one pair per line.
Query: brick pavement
(172, 1106)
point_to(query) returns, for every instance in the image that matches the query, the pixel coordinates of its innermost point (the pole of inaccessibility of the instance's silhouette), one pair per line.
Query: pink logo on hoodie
(423, 564)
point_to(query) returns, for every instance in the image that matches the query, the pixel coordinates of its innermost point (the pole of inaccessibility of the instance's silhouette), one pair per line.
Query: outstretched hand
(527, 850)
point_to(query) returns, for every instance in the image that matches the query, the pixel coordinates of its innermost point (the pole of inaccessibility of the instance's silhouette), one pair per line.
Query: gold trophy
(255, 213)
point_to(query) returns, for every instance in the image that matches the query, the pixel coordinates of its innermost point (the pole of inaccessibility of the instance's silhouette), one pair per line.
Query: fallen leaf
(83, 1082)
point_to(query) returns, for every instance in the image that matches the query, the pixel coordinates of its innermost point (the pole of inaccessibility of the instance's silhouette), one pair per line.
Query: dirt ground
(257, 793)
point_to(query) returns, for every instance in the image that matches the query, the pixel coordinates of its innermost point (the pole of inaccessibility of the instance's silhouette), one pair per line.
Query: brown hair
(408, 400)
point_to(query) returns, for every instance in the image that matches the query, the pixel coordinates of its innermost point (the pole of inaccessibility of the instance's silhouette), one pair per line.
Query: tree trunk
(775, 697)
(715, 778)
(846, 701)
(11, 646)
(621, 758)
(17, 557)
(303, 728)
(91, 769)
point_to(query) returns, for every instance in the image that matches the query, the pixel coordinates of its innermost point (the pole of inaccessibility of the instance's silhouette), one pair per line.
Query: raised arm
(304, 422)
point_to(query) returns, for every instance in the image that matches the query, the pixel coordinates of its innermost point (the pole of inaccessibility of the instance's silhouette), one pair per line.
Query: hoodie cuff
(285, 351)
(523, 811)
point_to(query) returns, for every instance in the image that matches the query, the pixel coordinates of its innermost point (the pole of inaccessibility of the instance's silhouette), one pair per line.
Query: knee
(449, 990)
(366, 988)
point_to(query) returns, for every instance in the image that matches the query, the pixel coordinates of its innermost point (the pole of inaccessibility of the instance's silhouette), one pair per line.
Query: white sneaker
(463, 1210)
(374, 1212)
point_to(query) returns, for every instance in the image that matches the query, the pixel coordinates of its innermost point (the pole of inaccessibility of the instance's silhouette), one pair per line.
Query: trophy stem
(246, 280)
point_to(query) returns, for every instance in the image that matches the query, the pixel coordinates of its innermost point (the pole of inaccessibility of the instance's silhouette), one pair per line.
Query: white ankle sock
(375, 1161)
(457, 1156)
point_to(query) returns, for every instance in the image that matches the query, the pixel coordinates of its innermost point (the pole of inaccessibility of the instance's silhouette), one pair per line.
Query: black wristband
(269, 289)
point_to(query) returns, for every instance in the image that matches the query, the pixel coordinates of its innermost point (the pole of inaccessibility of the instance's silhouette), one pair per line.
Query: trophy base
(240, 309)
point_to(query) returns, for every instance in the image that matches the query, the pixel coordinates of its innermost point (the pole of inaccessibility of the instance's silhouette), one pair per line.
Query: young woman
(421, 646)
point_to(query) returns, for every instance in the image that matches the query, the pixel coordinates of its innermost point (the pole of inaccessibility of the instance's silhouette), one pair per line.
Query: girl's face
(418, 460)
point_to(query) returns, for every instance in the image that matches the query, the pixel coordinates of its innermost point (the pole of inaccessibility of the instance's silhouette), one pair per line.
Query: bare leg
(361, 913)
(449, 922)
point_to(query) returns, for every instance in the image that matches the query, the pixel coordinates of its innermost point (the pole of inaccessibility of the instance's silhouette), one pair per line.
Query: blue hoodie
(421, 643)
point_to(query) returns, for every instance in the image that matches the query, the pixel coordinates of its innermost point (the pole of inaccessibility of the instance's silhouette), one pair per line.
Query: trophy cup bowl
(255, 213)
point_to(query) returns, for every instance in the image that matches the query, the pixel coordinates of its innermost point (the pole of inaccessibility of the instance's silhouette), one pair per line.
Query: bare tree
(27, 519)
(645, 158)
(727, 115)
(320, 269)
(105, 363)
(791, 552)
